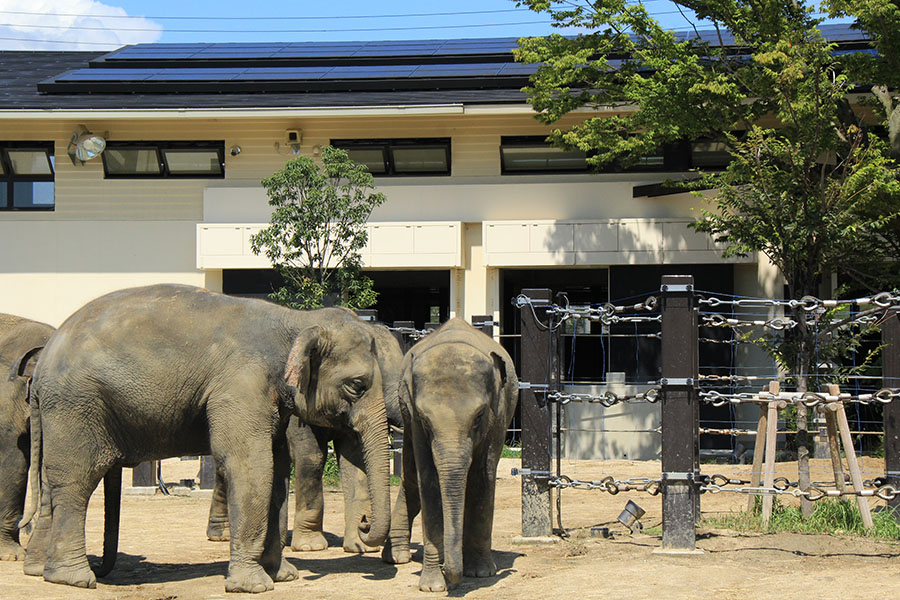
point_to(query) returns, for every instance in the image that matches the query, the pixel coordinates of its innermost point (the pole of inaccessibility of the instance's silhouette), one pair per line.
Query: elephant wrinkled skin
(20, 343)
(171, 370)
(458, 392)
(308, 447)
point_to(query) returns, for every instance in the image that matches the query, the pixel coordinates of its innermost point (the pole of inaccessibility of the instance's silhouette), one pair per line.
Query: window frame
(9, 178)
(159, 148)
(387, 147)
(533, 141)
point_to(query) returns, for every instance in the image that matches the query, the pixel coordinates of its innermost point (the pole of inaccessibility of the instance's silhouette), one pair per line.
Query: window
(532, 154)
(26, 176)
(402, 157)
(164, 159)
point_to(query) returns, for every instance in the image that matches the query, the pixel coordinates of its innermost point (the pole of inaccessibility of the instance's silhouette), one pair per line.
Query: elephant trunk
(453, 469)
(373, 431)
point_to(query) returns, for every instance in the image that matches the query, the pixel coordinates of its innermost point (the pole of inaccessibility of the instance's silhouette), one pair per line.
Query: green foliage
(810, 186)
(317, 230)
(830, 516)
(511, 452)
(331, 475)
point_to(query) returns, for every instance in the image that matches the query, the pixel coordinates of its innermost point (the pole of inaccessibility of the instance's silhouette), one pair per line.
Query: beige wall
(109, 234)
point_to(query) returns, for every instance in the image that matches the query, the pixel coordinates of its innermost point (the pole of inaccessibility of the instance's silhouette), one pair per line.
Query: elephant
(458, 392)
(171, 370)
(21, 341)
(308, 447)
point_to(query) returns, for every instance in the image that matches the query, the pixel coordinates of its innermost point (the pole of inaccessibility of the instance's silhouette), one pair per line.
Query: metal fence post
(485, 323)
(367, 314)
(536, 368)
(402, 338)
(144, 475)
(891, 379)
(207, 473)
(680, 413)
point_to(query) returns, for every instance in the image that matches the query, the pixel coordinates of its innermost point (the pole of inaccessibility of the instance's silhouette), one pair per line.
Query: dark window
(26, 176)
(533, 154)
(401, 157)
(164, 159)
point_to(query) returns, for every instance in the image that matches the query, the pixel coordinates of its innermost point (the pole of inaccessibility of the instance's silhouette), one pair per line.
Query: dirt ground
(164, 554)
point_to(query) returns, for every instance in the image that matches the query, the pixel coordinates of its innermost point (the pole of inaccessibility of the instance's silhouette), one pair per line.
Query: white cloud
(70, 25)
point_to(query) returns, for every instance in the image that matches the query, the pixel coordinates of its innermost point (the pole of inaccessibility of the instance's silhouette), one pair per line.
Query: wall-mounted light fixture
(84, 145)
(235, 150)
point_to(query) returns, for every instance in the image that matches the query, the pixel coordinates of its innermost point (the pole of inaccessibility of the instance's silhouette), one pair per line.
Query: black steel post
(403, 338)
(680, 412)
(891, 376)
(207, 473)
(431, 325)
(485, 323)
(144, 475)
(537, 367)
(367, 314)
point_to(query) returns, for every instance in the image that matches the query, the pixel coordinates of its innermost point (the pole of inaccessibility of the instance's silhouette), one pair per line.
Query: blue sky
(107, 24)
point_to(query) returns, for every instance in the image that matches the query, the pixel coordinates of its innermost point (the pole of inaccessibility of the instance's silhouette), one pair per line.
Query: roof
(280, 75)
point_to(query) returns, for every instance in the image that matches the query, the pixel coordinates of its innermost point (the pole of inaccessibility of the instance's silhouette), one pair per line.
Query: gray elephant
(308, 447)
(458, 392)
(20, 343)
(171, 370)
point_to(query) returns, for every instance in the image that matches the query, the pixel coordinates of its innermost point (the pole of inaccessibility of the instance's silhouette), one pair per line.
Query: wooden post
(834, 448)
(680, 437)
(485, 323)
(536, 369)
(758, 451)
(891, 379)
(771, 440)
(852, 464)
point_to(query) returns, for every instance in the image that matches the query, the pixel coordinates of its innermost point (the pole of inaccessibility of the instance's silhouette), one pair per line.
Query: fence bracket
(534, 473)
(682, 381)
(668, 287)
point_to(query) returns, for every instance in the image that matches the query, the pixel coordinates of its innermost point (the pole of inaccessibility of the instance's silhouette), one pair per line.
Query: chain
(608, 484)
(777, 323)
(807, 303)
(606, 399)
(414, 334)
(808, 399)
(783, 487)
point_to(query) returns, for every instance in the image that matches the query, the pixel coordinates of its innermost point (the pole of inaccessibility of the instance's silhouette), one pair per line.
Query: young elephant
(308, 447)
(170, 370)
(458, 390)
(20, 343)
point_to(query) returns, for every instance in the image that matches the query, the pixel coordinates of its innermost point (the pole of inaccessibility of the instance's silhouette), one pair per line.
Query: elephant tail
(112, 505)
(36, 457)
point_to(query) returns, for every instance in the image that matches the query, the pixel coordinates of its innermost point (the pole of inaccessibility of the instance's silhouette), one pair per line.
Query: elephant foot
(248, 579)
(286, 572)
(218, 533)
(395, 554)
(432, 580)
(480, 567)
(34, 563)
(312, 541)
(80, 576)
(10, 550)
(357, 547)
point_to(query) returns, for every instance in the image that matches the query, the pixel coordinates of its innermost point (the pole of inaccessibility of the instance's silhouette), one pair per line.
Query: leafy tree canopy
(317, 230)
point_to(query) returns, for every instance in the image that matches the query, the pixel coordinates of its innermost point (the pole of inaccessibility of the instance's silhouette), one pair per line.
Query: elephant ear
(501, 383)
(24, 367)
(301, 358)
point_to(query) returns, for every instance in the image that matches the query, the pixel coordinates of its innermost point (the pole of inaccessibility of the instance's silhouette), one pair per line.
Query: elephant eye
(478, 419)
(355, 388)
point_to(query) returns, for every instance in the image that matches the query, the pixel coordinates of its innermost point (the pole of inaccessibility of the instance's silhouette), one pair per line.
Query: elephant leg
(217, 526)
(14, 475)
(432, 577)
(249, 478)
(276, 533)
(36, 553)
(407, 506)
(479, 518)
(355, 488)
(309, 449)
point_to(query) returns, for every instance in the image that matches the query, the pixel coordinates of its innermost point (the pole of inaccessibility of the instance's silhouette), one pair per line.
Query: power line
(349, 30)
(279, 18)
(73, 42)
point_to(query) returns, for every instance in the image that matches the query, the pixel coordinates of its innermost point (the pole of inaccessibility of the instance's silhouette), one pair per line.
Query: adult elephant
(171, 370)
(308, 447)
(20, 343)
(458, 391)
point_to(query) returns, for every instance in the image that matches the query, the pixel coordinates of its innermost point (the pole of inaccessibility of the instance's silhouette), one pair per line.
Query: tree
(317, 230)
(810, 186)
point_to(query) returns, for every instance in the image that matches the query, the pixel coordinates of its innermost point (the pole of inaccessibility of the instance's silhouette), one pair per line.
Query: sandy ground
(164, 554)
